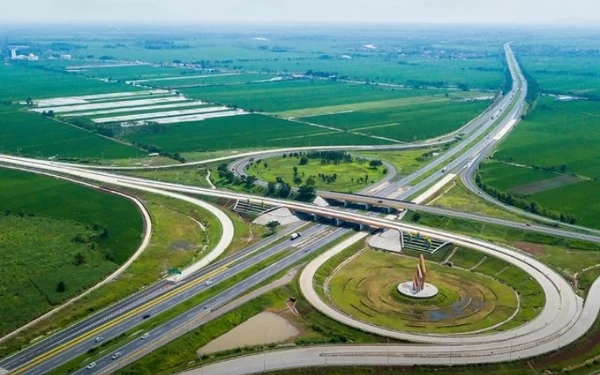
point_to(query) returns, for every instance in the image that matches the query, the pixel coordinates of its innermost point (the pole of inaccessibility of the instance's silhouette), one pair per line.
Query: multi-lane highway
(562, 320)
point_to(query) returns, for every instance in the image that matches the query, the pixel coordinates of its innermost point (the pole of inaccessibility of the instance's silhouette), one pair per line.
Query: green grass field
(406, 161)
(21, 81)
(348, 174)
(557, 139)
(297, 94)
(414, 122)
(557, 133)
(56, 225)
(35, 135)
(576, 75)
(245, 131)
(462, 199)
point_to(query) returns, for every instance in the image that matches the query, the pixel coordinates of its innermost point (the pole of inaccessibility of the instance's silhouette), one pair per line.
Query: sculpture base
(406, 289)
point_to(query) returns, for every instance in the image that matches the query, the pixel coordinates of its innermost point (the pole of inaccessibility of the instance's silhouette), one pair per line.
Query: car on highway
(145, 336)
(99, 338)
(146, 316)
(295, 235)
(91, 365)
(116, 355)
(208, 282)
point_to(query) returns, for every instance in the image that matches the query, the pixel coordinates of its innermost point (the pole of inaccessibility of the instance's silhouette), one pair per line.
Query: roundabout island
(371, 288)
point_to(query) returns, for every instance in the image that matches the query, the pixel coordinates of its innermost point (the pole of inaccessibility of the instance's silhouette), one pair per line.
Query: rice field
(249, 131)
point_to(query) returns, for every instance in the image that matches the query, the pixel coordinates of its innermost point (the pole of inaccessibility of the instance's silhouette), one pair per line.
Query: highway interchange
(563, 319)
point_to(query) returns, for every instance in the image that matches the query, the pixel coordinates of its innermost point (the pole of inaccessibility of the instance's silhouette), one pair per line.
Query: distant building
(66, 57)
(32, 57)
(13, 53)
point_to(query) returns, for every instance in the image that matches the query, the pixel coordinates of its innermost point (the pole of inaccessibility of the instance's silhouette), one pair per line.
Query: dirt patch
(530, 248)
(182, 245)
(544, 185)
(262, 329)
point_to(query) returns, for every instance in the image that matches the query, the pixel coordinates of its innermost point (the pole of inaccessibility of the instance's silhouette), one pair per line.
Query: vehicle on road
(116, 355)
(99, 338)
(145, 336)
(146, 316)
(91, 365)
(295, 235)
(444, 169)
(208, 282)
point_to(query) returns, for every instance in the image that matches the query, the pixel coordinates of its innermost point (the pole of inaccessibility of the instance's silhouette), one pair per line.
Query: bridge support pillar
(345, 203)
(401, 239)
(367, 206)
(362, 227)
(338, 222)
(314, 217)
(388, 210)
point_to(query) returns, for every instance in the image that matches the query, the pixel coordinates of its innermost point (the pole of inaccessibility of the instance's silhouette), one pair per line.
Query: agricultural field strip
(96, 66)
(182, 77)
(118, 104)
(359, 106)
(83, 99)
(153, 115)
(199, 117)
(135, 109)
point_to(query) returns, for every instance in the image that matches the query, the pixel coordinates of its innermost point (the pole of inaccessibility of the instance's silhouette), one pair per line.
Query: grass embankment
(176, 241)
(458, 197)
(52, 224)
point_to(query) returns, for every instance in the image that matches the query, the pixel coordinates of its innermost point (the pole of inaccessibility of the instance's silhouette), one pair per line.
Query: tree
(303, 160)
(79, 259)
(61, 287)
(307, 192)
(416, 217)
(272, 225)
(250, 180)
(310, 181)
(375, 163)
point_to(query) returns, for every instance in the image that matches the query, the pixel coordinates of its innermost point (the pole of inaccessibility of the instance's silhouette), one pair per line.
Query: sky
(303, 11)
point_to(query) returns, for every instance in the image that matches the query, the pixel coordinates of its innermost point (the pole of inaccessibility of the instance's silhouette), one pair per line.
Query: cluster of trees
(362, 180)
(522, 203)
(230, 177)
(280, 189)
(328, 178)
